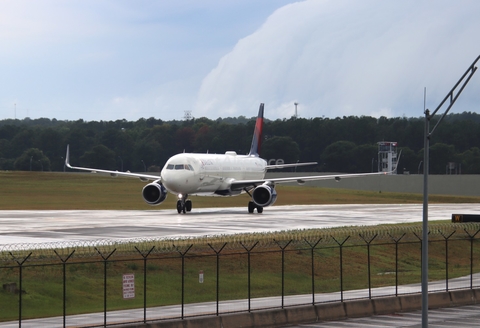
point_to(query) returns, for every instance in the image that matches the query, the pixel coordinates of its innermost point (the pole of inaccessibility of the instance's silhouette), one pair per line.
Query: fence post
(218, 269)
(283, 267)
(368, 242)
(105, 259)
(312, 248)
(144, 255)
(64, 263)
(20, 273)
(341, 264)
(446, 257)
(249, 250)
(471, 254)
(396, 241)
(182, 254)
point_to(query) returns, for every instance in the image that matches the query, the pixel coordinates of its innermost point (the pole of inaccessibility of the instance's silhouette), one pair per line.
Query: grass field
(86, 191)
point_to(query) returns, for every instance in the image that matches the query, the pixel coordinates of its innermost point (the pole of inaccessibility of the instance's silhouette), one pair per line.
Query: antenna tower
(187, 115)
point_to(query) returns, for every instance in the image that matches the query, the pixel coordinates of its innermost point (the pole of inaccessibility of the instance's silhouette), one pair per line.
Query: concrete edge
(323, 312)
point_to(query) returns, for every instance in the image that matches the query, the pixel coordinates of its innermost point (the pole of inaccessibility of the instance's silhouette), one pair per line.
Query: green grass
(85, 191)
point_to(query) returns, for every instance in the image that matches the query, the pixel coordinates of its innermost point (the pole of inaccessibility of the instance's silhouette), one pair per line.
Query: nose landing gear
(184, 205)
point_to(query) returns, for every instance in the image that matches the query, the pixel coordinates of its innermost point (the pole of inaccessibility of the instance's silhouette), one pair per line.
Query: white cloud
(72, 59)
(346, 58)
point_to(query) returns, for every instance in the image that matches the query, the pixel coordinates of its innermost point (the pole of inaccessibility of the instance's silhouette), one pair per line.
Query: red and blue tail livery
(257, 134)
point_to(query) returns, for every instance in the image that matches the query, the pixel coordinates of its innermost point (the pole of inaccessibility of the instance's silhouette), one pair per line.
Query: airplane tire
(259, 209)
(251, 207)
(179, 206)
(188, 205)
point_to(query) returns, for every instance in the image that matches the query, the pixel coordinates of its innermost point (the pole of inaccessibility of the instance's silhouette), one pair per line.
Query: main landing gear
(184, 205)
(252, 206)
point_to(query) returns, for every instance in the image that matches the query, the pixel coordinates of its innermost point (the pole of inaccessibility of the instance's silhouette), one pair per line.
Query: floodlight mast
(451, 95)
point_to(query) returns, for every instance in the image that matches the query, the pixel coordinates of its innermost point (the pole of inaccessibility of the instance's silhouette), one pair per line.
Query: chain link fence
(153, 279)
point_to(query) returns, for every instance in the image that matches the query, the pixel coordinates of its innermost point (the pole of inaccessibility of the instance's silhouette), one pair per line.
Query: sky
(115, 59)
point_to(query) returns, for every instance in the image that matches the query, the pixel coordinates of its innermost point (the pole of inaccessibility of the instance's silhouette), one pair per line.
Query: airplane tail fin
(257, 134)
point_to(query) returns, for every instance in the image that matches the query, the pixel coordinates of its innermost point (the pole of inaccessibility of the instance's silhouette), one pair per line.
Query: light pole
(451, 95)
(144, 166)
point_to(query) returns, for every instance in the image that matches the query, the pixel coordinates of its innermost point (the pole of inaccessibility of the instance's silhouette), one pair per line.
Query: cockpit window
(187, 167)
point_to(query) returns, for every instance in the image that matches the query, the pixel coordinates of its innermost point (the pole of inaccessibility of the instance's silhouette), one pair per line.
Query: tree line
(347, 144)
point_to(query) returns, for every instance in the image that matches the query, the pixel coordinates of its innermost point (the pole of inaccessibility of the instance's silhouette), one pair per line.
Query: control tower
(387, 156)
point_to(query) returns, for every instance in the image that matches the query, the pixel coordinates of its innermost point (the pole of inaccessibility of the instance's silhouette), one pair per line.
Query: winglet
(257, 134)
(67, 157)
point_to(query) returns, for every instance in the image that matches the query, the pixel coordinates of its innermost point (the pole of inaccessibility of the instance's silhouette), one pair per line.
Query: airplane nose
(177, 181)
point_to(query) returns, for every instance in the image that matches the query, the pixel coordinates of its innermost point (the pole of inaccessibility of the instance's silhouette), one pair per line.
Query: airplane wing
(143, 177)
(247, 184)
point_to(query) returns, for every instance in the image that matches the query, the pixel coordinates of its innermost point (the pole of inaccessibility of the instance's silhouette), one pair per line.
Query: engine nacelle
(264, 195)
(154, 193)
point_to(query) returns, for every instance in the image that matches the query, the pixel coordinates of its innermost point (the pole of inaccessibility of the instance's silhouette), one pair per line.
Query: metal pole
(283, 268)
(105, 259)
(312, 254)
(218, 273)
(471, 254)
(182, 254)
(341, 264)
(425, 222)
(144, 280)
(20, 273)
(451, 95)
(369, 242)
(249, 250)
(64, 266)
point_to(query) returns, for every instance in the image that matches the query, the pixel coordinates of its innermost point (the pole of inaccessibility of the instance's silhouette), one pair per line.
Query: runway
(20, 227)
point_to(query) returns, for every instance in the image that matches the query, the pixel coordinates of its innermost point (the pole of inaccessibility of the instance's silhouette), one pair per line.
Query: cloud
(347, 57)
(72, 59)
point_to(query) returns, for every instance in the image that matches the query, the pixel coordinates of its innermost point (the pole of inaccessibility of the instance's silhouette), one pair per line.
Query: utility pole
(453, 97)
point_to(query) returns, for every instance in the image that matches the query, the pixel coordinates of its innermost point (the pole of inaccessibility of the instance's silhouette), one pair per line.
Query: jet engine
(264, 195)
(154, 193)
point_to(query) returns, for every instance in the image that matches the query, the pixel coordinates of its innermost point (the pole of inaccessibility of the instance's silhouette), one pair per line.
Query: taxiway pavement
(20, 227)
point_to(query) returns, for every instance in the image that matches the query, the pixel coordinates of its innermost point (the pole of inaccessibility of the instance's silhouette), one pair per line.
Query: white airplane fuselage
(210, 174)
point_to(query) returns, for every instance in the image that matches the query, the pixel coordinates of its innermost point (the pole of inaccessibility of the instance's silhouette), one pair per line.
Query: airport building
(387, 156)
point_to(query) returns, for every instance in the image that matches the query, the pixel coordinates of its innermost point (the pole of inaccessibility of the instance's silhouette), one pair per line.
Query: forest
(346, 144)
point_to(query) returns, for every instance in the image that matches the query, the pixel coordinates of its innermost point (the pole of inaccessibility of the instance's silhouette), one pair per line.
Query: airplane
(228, 174)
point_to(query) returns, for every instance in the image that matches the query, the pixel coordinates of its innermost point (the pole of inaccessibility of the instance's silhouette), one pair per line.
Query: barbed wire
(298, 238)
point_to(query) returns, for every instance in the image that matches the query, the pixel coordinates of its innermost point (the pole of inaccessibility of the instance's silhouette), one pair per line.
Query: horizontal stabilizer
(282, 166)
